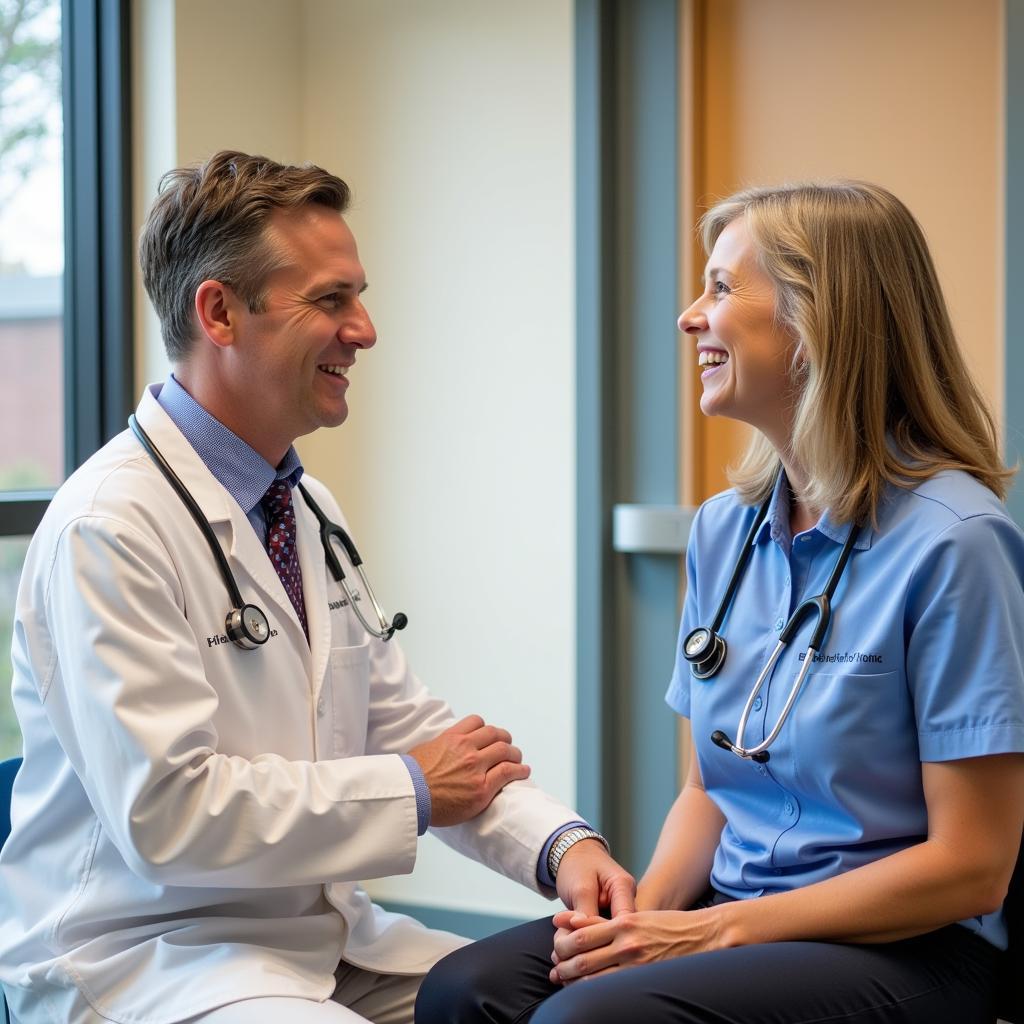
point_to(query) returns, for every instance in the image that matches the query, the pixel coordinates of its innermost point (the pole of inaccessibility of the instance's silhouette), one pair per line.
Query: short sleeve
(964, 624)
(678, 695)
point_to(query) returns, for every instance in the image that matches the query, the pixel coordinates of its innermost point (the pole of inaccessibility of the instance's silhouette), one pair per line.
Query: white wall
(452, 122)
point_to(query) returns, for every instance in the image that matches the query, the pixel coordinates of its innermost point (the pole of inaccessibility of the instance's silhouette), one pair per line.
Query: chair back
(1010, 1001)
(8, 769)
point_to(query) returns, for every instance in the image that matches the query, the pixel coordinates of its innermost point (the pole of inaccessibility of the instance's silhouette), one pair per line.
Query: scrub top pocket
(850, 729)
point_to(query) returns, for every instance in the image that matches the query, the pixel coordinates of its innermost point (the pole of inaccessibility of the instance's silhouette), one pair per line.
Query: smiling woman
(876, 390)
(859, 868)
(748, 353)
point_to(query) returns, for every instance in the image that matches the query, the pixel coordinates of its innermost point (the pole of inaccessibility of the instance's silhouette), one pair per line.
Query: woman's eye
(720, 288)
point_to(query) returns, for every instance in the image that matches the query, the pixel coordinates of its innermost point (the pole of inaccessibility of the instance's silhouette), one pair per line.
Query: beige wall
(452, 122)
(907, 94)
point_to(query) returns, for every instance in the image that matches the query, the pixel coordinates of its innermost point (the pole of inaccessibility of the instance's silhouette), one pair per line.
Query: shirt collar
(776, 522)
(240, 469)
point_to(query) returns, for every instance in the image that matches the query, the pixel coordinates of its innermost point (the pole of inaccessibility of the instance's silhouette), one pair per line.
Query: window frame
(97, 318)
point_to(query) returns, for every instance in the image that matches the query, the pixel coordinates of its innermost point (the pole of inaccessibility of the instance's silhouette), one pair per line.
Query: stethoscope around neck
(246, 624)
(704, 648)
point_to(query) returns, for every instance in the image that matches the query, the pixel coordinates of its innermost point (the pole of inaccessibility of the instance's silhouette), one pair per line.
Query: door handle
(651, 529)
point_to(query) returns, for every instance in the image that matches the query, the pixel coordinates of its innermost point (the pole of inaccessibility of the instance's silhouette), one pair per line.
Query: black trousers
(944, 977)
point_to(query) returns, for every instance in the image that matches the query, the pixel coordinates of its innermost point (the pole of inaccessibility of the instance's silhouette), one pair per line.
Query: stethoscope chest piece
(248, 627)
(704, 649)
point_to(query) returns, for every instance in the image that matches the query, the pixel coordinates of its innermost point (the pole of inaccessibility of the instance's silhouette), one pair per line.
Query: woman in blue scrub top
(859, 872)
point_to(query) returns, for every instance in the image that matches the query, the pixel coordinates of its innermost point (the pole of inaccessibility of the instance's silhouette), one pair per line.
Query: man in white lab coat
(193, 818)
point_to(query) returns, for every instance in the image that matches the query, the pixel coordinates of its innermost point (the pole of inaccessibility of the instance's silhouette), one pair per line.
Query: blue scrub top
(924, 661)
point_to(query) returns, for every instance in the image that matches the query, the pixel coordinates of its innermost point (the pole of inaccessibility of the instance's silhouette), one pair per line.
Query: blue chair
(8, 769)
(1010, 1001)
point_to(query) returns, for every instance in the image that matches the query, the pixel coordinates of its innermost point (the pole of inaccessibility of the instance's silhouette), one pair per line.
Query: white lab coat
(192, 819)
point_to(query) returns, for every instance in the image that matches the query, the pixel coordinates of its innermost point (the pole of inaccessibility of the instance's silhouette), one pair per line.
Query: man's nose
(359, 329)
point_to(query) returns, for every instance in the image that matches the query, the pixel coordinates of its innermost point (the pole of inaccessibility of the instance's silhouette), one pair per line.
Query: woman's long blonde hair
(884, 392)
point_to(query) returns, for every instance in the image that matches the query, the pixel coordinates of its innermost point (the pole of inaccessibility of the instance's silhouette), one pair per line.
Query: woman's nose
(693, 320)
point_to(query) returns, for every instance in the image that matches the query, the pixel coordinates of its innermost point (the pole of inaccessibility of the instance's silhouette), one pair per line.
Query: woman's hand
(588, 946)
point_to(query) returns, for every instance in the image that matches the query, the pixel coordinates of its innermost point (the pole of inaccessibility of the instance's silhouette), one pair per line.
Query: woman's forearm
(902, 895)
(975, 809)
(681, 865)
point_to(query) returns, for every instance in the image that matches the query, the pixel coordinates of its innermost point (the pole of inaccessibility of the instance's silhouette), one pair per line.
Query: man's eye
(331, 301)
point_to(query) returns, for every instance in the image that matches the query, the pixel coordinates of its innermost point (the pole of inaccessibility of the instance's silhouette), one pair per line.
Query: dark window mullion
(118, 252)
(98, 265)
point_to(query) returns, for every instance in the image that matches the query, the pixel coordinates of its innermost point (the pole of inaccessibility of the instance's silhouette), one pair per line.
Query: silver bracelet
(566, 841)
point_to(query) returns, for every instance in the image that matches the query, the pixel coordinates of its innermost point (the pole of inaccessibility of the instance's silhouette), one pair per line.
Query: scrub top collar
(776, 523)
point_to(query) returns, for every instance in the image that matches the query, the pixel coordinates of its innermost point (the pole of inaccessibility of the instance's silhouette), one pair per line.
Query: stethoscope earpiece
(721, 740)
(705, 650)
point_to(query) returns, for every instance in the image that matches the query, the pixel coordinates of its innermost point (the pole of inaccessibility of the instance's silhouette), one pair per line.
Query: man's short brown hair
(208, 223)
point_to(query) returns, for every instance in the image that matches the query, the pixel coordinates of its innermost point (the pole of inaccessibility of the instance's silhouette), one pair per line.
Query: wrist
(646, 896)
(567, 841)
(731, 923)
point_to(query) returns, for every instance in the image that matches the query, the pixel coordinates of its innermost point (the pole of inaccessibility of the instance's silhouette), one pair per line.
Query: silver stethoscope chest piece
(705, 649)
(248, 627)
(246, 624)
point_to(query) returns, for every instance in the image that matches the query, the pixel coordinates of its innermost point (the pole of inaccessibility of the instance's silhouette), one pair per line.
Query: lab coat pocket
(349, 697)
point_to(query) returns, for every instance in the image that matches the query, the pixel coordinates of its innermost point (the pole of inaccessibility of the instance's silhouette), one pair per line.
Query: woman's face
(745, 354)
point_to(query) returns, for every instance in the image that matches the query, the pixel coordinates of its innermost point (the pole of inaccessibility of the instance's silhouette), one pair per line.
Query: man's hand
(466, 767)
(589, 879)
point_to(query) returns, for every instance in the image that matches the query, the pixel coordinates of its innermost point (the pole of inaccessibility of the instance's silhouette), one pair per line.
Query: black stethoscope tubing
(330, 531)
(246, 624)
(705, 649)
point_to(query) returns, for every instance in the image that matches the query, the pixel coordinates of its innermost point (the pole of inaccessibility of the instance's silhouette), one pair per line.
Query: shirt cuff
(419, 784)
(543, 875)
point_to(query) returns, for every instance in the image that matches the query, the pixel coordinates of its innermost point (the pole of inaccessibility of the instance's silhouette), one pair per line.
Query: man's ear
(216, 306)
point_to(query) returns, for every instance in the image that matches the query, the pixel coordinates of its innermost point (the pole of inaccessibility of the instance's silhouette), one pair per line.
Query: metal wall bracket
(651, 529)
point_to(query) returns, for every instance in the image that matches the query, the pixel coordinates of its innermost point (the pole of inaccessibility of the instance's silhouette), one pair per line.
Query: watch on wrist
(566, 841)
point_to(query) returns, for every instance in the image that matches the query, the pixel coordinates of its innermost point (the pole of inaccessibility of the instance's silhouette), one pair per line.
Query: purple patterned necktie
(277, 504)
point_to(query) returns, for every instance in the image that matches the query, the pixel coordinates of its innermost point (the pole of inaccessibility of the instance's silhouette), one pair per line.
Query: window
(65, 259)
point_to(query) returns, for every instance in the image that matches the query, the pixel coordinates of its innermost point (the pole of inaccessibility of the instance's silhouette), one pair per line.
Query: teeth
(338, 371)
(711, 358)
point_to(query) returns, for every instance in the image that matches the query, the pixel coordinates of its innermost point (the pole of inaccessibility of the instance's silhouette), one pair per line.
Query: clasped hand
(587, 947)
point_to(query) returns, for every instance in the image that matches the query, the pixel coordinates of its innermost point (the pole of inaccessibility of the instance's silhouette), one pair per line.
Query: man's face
(292, 360)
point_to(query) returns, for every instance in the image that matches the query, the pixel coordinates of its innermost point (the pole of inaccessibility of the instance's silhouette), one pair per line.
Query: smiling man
(194, 815)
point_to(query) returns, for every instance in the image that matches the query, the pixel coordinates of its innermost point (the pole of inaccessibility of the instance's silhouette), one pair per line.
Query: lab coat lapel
(314, 590)
(247, 557)
(213, 500)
